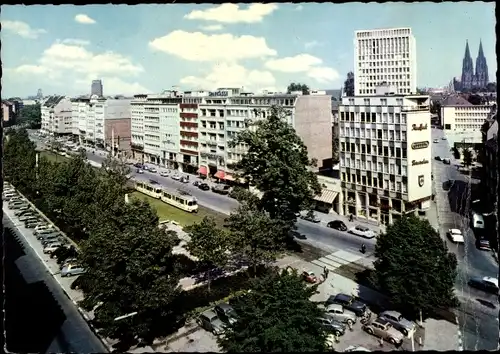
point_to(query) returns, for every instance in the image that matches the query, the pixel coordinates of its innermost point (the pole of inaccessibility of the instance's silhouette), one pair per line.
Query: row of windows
(470, 120)
(385, 151)
(468, 126)
(385, 32)
(381, 134)
(375, 182)
(373, 117)
(393, 169)
(373, 91)
(385, 70)
(384, 63)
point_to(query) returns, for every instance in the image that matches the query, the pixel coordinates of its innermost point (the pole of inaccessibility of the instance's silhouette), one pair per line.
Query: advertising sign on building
(218, 94)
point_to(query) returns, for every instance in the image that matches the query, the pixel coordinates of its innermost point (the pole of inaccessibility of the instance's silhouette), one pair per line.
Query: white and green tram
(179, 200)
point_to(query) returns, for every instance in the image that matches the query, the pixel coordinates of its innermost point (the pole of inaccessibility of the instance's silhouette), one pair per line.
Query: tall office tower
(39, 94)
(96, 88)
(385, 56)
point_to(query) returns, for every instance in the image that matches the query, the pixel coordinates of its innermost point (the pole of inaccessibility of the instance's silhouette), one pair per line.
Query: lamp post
(119, 318)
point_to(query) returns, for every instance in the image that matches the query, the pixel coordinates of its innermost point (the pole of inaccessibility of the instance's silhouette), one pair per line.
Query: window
(375, 183)
(380, 169)
(343, 176)
(391, 168)
(386, 184)
(398, 152)
(403, 170)
(405, 188)
(398, 186)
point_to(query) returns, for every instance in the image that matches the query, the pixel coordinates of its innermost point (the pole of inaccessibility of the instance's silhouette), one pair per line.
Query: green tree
(349, 84)
(335, 144)
(455, 152)
(254, 236)
(414, 268)
(277, 164)
(491, 87)
(298, 87)
(276, 316)
(31, 114)
(467, 157)
(208, 243)
(130, 269)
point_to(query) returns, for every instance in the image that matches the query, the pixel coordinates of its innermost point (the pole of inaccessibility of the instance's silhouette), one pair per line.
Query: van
(477, 221)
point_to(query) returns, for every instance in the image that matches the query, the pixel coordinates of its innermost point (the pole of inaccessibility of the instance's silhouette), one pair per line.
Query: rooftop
(455, 101)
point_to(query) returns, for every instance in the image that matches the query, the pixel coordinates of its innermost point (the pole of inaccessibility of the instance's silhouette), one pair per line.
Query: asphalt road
(478, 315)
(51, 322)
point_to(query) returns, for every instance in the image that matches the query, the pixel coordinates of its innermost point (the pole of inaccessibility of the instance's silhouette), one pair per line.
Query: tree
(475, 99)
(276, 316)
(335, 144)
(298, 87)
(208, 243)
(254, 235)
(277, 164)
(130, 269)
(31, 114)
(491, 87)
(414, 268)
(456, 153)
(349, 84)
(467, 157)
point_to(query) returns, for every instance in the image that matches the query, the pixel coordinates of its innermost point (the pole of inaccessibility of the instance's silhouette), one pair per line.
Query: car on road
(310, 217)
(42, 227)
(40, 234)
(486, 284)
(67, 262)
(204, 187)
(381, 328)
(436, 140)
(362, 231)
(350, 303)
(337, 312)
(30, 218)
(139, 171)
(184, 180)
(483, 244)
(22, 210)
(309, 276)
(455, 236)
(209, 321)
(72, 270)
(51, 247)
(226, 313)
(175, 177)
(17, 205)
(221, 189)
(443, 138)
(446, 161)
(51, 239)
(152, 170)
(30, 224)
(398, 321)
(437, 158)
(332, 326)
(164, 174)
(337, 225)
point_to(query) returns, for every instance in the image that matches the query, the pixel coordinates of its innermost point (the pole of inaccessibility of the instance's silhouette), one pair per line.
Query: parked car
(332, 326)
(42, 227)
(363, 231)
(437, 158)
(443, 138)
(337, 312)
(139, 171)
(184, 180)
(226, 313)
(43, 233)
(164, 174)
(67, 262)
(436, 140)
(455, 236)
(152, 170)
(138, 165)
(175, 177)
(337, 225)
(483, 244)
(486, 284)
(196, 183)
(18, 205)
(33, 218)
(30, 224)
(51, 239)
(446, 161)
(349, 302)
(398, 321)
(209, 321)
(381, 328)
(22, 210)
(221, 189)
(204, 186)
(310, 217)
(51, 247)
(27, 216)
(71, 270)
(309, 276)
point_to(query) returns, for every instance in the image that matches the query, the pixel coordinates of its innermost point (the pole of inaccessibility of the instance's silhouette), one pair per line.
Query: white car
(152, 170)
(455, 236)
(51, 247)
(176, 177)
(164, 174)
(362, 231)
(436, 140)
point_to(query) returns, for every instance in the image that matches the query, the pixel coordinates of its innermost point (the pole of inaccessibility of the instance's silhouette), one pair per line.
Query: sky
(151, 48)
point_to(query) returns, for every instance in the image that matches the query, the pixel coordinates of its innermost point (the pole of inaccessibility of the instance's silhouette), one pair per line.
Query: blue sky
(148, 48)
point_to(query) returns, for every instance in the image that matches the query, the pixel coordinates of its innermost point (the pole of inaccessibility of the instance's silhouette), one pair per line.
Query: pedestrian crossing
(336, 259)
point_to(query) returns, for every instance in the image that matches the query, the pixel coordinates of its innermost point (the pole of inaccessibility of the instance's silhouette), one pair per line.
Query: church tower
(467, 69)
(481, 69)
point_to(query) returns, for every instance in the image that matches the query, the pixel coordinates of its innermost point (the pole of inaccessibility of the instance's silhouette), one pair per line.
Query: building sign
(419, 145)
(421, 180)
(419, 127)
(218, 94)
(422, 162)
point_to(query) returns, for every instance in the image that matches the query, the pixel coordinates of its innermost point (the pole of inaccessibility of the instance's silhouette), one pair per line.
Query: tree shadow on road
(459, 197)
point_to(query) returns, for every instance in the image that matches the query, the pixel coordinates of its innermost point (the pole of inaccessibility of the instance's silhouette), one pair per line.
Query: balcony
(188, 105)
(189, 134)
(137, 147)
(188, 124)
(415, 108)
(189, 115)
(189, 142)
(189, 152)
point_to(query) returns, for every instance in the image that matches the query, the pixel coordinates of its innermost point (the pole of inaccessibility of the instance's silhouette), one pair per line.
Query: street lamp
(119, 318)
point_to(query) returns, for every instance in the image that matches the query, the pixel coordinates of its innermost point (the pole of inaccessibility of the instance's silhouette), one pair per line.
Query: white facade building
(56, 116)
(385, 55)
(385, 156)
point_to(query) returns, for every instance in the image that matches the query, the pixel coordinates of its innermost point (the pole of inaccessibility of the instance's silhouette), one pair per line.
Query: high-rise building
(39, 94)
(385, 56)
(470, 79)
(96, 88)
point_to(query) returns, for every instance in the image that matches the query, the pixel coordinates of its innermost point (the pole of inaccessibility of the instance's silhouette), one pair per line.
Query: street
(478, 315)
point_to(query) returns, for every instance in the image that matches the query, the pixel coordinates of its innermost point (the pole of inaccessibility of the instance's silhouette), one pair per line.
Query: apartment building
(57, 116)
(385, 56)
(79, 111)
(385, 155)
(8, 112)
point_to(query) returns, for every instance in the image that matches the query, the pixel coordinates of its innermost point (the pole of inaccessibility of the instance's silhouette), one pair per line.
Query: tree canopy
(277, 315)
(277, 164)
(414, 268)
(19, 160)
(349, 84)
(30, 114)
(467, 157)
(298, 87)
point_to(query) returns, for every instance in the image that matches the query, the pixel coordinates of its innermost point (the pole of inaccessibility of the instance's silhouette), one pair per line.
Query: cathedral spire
(467, 51)
(480, 53)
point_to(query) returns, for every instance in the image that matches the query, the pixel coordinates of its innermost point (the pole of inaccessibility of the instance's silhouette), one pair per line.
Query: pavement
(478, 313)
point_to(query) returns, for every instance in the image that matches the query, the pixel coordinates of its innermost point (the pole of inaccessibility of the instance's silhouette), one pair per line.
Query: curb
(460, 340)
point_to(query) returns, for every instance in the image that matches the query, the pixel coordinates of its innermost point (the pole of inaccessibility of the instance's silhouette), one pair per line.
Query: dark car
(437, 158)
(332, 326)
(337, 225)
(196, 183)
(204, 186)
(221, 189)
(483, 244)
(348, 302)
(486, 284)
(225, 312)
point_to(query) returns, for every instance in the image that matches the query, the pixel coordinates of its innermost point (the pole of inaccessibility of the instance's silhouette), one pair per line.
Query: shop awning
(229, 178)
(202, 170)
(220, 175)
(327, 196)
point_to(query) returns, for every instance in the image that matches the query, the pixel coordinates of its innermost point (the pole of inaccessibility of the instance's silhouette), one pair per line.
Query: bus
(178, 199)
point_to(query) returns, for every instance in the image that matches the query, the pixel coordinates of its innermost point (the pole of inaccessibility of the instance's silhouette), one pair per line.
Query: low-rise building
(385, 155)
(57, 116)
(8, 113)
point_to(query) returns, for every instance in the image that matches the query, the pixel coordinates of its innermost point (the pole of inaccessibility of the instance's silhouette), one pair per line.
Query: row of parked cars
(49, 237)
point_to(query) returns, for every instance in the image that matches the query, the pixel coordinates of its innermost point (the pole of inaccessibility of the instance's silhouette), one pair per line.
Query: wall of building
(63, 117)
(464, 118)
(119, 129)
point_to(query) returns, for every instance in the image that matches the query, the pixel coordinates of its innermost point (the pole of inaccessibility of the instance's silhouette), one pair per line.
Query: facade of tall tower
(474, 79)
(467, 69)
(96, 88)
(481, 68)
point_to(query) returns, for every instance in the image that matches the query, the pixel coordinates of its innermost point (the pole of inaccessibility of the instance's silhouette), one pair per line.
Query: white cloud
(74, 41)
(82, 18)
(296, 64)
(231, 13)
(299, 8)
(230, 75)
(22, 29)
(312, 44)
(323, 74)
(197, 46)
(212, 28)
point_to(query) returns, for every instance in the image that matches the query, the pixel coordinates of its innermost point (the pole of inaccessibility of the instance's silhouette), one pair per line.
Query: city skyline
(272, 45)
